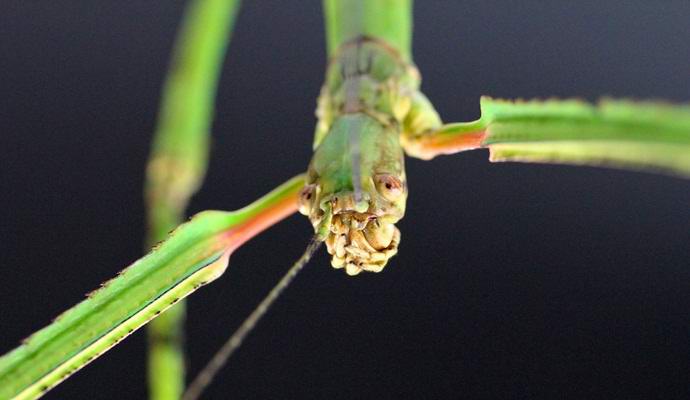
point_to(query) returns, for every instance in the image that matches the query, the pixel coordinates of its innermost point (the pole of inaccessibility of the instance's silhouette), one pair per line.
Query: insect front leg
(425, 136)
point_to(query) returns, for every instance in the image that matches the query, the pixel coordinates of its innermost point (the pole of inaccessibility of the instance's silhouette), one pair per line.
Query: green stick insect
(370, 114)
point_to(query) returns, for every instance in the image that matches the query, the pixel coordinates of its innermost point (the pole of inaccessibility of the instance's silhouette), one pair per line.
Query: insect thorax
(368, 76)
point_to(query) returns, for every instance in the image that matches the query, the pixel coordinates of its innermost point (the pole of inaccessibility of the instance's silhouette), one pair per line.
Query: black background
(513, 281)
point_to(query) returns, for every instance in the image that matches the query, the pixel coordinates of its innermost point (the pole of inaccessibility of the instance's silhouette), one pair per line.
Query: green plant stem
(178, 163)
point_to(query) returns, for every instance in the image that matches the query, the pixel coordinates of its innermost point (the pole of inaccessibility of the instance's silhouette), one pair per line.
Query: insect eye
(306, 198)
(389, 186)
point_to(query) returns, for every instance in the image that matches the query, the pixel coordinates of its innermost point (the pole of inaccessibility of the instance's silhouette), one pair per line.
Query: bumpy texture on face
(361, 231)
(356, 187)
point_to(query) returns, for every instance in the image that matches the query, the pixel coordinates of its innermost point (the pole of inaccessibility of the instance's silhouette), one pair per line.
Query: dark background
(513, 281)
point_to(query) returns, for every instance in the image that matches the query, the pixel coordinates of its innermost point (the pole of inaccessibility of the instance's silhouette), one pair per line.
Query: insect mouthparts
(357, 242)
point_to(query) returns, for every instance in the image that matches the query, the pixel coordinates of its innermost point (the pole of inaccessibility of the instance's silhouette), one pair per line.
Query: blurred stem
(387, 20)
(178, 163)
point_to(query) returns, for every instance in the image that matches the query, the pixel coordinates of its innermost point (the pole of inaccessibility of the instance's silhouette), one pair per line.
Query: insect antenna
(204, 378)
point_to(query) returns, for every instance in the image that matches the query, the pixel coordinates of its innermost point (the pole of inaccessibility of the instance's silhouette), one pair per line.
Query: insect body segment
(356, 181)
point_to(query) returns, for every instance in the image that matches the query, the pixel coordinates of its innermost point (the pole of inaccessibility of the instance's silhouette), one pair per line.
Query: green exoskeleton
(370, 113)
(356, 187)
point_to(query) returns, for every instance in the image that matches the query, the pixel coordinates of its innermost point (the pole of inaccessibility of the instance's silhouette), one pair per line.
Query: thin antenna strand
(235, 341)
